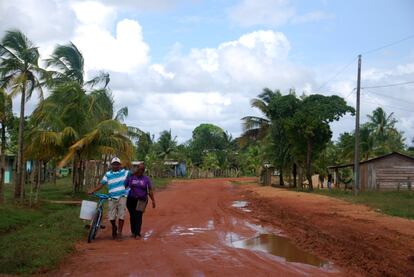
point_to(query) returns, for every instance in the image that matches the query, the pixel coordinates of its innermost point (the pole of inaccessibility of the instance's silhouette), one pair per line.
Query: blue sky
(351, 27)
(178, 63)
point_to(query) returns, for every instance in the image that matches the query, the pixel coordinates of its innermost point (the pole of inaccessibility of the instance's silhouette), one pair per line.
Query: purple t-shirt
(138, 185)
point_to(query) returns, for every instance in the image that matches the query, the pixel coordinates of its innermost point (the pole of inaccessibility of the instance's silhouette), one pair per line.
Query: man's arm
(103, 182)
(100, 186)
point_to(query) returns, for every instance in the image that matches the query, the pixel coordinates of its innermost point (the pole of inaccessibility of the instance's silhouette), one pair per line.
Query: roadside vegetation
(394, 203)
(36, 239)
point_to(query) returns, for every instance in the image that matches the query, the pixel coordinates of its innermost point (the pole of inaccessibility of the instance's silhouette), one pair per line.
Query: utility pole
(356, 156)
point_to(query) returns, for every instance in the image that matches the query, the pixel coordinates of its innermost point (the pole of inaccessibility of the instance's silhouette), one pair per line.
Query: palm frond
(102, 78)
(121, 114)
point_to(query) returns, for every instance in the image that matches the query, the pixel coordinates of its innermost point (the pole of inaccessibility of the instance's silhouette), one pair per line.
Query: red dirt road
(191, 231)
(188, 234)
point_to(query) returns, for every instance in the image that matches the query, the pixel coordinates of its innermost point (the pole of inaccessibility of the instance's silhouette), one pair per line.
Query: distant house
(394, 171)
(8, 171)
(175, 168)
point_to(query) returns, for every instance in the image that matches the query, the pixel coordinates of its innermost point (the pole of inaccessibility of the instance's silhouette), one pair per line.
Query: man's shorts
(116, 208)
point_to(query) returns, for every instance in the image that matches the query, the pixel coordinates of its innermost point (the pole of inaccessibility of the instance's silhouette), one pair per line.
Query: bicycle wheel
(94, 227)
(98, 223)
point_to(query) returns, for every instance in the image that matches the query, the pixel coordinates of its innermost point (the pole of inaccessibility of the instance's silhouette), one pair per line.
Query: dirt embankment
(354, 237)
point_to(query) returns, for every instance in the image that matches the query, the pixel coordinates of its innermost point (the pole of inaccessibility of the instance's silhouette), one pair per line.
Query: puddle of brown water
(279, 246)
(239, 204)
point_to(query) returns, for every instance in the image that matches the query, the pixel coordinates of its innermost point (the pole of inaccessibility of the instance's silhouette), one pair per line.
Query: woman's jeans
(134, 216)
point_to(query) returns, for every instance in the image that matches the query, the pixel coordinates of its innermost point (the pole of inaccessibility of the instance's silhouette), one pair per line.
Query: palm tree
(385, 136)
(19, 73)
(381, 123)
(81, 121)
(81, 107)
(167, 144)
(6, 114)
(256, 127)
(109, 137)
(67, 64)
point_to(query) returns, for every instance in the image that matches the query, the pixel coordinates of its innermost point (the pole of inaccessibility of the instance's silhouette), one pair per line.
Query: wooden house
(394, 171)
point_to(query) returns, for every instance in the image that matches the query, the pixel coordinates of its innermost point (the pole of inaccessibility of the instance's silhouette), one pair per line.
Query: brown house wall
(369, 170)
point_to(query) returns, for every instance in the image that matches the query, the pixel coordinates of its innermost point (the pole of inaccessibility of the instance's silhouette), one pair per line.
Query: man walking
(114, 180)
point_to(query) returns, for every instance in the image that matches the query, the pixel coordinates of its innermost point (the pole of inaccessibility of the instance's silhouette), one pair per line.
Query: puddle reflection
(279, 246)
(239, 204)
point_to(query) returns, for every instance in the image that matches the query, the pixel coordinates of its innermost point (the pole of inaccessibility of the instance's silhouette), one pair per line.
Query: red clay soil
(354, 237)
(190, 233)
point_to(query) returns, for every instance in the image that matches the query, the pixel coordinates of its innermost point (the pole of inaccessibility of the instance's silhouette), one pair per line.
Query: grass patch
(35, 240)
(395, 203)
(160, 183)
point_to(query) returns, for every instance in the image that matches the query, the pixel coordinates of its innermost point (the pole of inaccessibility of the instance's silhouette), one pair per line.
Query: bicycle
(96, 220)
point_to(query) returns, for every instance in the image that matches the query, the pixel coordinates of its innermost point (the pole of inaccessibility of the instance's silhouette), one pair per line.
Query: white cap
(115, 160)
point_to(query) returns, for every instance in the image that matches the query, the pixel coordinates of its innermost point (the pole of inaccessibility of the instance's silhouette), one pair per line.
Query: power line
(389, 85)
(387, 45)
(352, 92)
(393, 98)
(388, 105)
(337, 73)
(341, 70)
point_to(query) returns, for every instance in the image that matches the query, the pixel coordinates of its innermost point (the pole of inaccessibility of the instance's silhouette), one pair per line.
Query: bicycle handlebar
(103, 196)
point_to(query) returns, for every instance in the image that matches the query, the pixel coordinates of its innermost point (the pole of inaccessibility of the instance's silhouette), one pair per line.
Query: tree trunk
(52, 164)
(45, 173)
(2, 160)
(37, 181)
(73, 174)
(309, 164)
(294, 172)
(105, 164)
(19, 183)
(281, 182)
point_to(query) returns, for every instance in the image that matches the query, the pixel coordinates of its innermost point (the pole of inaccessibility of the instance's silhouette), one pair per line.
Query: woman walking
(140, 189)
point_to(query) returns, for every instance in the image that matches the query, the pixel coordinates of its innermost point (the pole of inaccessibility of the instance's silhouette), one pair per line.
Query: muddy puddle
(281, 247)
(241, 205)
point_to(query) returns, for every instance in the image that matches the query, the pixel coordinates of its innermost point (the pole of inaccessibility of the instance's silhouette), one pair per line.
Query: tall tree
(6, 115)
(208, 138)
(308, 129)
(256, 127)
(83, 110)
(19, 72)
(166, 144)
(279, 146)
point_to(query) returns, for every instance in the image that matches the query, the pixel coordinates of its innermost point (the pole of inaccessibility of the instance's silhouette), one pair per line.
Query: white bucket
(88, 209)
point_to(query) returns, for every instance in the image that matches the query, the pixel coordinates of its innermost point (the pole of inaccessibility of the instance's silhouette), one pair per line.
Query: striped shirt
(115, 180)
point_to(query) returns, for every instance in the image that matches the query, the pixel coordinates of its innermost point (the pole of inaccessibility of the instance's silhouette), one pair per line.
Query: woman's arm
(151, 195)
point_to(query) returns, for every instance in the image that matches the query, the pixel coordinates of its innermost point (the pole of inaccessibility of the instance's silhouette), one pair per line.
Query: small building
(266, 174)
(175, 168)
(394, 171)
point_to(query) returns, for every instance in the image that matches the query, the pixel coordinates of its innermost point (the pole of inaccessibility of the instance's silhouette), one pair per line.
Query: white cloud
(142, 4)
(40, 20)
(396, 99)
(124, 52)
(271, 13)
(212, 84)
(209, 84)
(94, 13)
